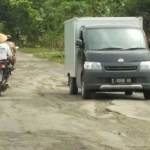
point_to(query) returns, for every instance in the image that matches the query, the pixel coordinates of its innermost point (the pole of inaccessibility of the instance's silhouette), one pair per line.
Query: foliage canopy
(42, 21)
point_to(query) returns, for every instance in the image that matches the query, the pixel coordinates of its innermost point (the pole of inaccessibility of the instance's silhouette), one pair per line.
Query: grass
(52, 55)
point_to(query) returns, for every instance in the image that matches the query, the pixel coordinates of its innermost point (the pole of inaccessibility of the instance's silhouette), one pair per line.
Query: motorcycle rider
(5, 52)
(13, 50)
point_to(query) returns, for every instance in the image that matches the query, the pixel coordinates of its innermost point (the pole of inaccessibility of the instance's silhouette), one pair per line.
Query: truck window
(123, 38)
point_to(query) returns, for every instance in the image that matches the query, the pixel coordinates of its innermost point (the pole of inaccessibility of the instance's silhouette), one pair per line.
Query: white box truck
(106, 54)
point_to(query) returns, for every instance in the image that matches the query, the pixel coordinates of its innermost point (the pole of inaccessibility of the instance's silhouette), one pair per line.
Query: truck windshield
(116, 39)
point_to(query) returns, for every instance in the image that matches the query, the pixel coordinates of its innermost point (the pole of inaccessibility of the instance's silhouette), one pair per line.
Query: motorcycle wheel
(4, 87)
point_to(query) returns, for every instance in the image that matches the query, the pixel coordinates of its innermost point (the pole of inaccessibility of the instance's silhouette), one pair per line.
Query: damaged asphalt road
(37, 112)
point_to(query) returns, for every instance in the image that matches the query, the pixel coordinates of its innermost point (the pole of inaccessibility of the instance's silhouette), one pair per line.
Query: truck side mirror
(79, 43)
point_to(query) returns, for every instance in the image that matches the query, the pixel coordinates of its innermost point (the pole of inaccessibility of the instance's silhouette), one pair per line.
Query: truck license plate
(121, 81)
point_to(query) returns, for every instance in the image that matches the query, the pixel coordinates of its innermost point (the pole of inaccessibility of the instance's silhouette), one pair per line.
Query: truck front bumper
(101, 81)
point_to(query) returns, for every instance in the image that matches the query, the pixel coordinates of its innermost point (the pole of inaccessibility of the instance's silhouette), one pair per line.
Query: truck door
(79, 63)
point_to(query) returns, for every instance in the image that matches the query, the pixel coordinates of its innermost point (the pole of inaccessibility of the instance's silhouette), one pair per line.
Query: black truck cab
(113, 58)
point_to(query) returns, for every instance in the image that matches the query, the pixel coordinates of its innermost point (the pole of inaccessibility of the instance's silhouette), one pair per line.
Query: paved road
(37, 113)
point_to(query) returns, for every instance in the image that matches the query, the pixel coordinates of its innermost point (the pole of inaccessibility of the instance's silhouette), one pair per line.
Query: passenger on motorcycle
(13, 50)
(5, 52)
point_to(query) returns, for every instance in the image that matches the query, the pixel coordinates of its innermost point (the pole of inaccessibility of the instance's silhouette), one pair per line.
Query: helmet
(9, 37)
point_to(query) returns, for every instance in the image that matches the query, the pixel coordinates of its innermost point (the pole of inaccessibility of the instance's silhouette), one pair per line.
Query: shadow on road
(95, 96)
(117, 96)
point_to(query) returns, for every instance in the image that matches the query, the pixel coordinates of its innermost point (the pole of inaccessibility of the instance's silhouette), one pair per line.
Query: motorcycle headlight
(145, 65)
(92, 65)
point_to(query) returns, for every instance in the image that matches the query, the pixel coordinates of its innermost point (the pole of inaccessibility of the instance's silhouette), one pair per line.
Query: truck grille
(120, 68)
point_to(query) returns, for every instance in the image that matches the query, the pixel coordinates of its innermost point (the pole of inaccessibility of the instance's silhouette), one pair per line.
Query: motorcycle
(5, 71)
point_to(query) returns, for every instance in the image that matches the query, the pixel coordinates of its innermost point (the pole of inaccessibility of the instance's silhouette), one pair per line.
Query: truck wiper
(111, 48)
(135, 48)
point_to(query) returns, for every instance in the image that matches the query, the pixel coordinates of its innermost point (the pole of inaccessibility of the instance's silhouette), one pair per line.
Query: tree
(24, 17)
(139, 8)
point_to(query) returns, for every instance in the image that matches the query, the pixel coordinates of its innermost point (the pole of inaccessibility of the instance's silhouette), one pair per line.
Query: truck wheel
(147, 94)
(73, 86)
(68, 80)
(84, 93)
(0, 90)
(128, 92)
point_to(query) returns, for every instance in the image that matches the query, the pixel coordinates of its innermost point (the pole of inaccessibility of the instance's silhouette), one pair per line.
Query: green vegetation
(41, 21)
(52, 55)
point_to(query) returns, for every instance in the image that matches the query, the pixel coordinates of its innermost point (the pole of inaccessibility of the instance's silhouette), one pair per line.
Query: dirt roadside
(37, 113)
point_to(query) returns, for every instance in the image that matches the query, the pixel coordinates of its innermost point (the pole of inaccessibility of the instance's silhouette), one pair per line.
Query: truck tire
(68, 80)
(128, 92)
(85, 93)
(73, 89)
(0, 90)
(147, 94)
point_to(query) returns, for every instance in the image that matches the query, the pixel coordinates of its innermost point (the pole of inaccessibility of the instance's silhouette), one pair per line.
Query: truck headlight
(145, 65)
(92, 65)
